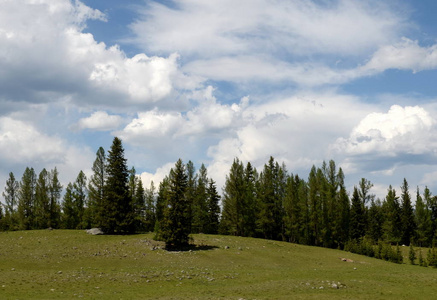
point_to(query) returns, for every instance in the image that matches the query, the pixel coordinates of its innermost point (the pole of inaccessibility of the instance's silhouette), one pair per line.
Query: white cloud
(156, 177)
(404, 55)
(401, 131)
(100, 121)
(45, 55)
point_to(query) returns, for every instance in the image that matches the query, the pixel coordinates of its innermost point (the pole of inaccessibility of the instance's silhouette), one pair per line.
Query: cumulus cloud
(100, 121)
(408, 130)
(45, 55)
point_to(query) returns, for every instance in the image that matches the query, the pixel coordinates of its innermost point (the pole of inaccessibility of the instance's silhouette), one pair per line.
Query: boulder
(94, 231)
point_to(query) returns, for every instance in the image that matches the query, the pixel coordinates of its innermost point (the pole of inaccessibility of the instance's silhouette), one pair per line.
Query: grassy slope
(71, 264)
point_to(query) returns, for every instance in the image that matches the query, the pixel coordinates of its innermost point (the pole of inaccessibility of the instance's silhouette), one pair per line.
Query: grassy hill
(63, 264)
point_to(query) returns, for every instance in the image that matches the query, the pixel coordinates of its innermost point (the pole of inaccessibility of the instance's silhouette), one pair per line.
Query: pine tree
(392, 217)
(176, 223)
(139, 202)
(231, 221)
(412, 254)
(431, 203)
(26, 199)
(69, 216)
(343, 212)
(375, 220)
(80, 195)
(315, 207)
(408, 225)
(150, 208)
(162, 201)
(94, 213)
(54, 194)
(199, 205)
(213, 208)
(423, 221)
(118, 213)
(356, 216)
(11, 201)
(42, 201)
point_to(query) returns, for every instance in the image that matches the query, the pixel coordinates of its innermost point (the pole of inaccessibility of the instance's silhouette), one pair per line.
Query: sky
(208, 81)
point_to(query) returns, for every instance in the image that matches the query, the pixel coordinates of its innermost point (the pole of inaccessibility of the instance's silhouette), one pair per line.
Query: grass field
(63, 264)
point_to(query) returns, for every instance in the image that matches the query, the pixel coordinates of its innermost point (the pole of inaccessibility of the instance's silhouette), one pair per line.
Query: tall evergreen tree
(315, 207)
(431, 203)
(357, 224)
(118, 211)
(176, 222)
(69, 216)
(375, 220)
(80, 192)
(199, 205)
(150, 208)
(139, 202)
(213, 208)
(162, 201)
(407, 215)
(10, 195)
(26, 199)
(423, 222)
(54, 193)
(232, 200)
(42, 201)
(94, 212)
(342, 214)
(392, 217)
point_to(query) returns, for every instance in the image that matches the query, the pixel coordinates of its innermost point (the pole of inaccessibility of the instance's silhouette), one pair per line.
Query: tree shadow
(190, 248)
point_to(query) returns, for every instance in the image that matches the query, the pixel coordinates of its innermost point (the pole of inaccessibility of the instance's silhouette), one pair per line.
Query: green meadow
(70, 264)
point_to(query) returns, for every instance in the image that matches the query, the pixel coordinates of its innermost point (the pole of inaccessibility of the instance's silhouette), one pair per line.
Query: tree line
(272, 204)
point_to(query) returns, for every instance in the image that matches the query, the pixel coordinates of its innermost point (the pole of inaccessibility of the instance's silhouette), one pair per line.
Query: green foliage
(10, 194)
(118, 210)
(176, 223)
(392, 217)
(432, 257)
(412, 254)
(95, 214)
(407, 216)
(213, 209)
(357, 223)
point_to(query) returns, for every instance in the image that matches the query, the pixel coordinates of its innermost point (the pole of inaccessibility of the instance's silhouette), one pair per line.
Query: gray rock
(94, 231)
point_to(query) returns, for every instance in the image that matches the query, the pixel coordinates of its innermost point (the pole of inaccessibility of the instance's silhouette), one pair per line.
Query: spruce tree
(69, 216)
(26, 199)
(391, 227)
(139, 202)
(199, 205)
(356, 216)
(407, 216)
(150, 208)
(54, 193)
(176, 223)
(94, 212)
(80, 196)
(10, 195)
(118, 210)
(423, 222)
(42, 201)
(213, 208)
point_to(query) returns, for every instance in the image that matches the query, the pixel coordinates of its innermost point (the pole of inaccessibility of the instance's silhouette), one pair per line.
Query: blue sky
(208, 81)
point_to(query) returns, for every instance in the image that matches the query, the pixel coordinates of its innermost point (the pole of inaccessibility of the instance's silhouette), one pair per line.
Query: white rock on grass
(94, 231)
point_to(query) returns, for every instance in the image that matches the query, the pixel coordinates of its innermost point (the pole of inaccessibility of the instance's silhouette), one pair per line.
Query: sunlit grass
(71, 264)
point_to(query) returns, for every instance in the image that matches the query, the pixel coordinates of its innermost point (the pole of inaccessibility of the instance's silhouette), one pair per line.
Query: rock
(59, 272)
(94, 231)
(227, 247)
(334, 286)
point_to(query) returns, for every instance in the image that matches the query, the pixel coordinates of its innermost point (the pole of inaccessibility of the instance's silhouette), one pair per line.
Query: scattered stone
(347, 260)
(13, 269)
(227, 247)
(355, 268)
(334, 286)
(94, 231)
(59, 272)
(321, 288)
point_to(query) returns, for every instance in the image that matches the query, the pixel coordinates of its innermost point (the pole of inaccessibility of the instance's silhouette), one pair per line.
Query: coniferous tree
(423, 221)
(231, 221)
(79, 194)
(69, 216)
(199, 207)
(150, 208)
(118, 212)
(343, 212)
(431, 203)
(10, 195)
(176, 223)
(54, 194)
(213, 208)
(315, 207)
(94, 212)
(357, 224)
(249, 202)
(139, 202)
(408, 225)
(161, 205)
(26, 199)
(374, 220)
(42, 201)
(392, 217)
(191, 187)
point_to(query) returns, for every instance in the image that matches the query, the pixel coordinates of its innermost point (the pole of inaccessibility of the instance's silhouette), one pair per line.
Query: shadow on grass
(191, 247)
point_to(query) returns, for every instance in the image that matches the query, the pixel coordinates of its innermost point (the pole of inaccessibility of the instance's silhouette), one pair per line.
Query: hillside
(72, 264)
